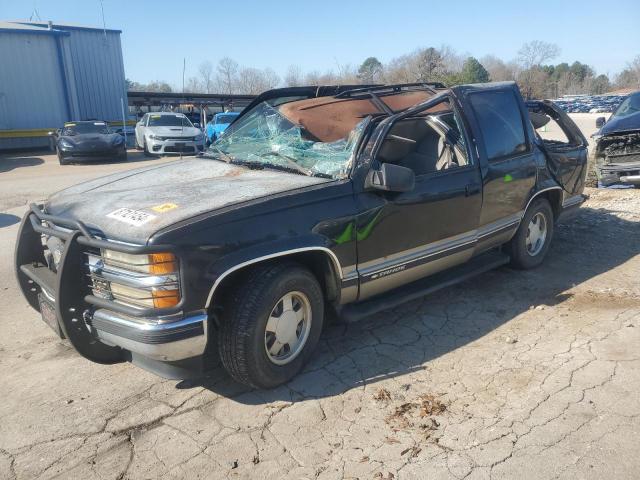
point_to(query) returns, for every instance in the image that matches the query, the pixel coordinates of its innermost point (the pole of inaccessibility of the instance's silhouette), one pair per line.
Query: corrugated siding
(31, 88)
(98, 72)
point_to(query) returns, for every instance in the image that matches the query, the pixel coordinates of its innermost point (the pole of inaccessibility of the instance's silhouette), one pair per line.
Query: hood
(174, 131)
(621, 124)
(131, 206)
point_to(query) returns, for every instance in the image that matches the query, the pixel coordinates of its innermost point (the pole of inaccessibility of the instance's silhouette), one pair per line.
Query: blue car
(218, 124)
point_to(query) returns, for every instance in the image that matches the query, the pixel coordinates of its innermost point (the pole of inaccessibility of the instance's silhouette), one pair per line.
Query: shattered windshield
(266, 138)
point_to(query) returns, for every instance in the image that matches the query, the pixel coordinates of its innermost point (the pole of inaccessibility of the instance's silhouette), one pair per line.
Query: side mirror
(196, 124)
(391, 178)
(600, 121)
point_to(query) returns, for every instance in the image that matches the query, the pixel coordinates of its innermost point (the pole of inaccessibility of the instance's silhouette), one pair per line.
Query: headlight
(153, 263)
(66, 144)
(155, 137)
(199, 138)
(118, 140)
(153, 281)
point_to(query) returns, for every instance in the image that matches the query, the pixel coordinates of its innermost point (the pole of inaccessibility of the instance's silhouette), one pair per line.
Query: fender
(543, 189)
(244, 258)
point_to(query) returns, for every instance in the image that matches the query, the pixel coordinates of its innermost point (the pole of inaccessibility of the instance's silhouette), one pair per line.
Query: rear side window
(500, 123)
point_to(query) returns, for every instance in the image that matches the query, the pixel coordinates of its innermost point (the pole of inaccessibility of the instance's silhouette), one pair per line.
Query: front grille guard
(30, 257)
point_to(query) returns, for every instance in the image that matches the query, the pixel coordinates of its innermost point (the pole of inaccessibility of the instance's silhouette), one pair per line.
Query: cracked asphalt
(513, 374)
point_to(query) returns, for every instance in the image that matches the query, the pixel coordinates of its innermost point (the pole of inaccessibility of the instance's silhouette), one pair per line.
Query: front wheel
(146, 151)
(271, 324)
(62, 160)
(531, 242)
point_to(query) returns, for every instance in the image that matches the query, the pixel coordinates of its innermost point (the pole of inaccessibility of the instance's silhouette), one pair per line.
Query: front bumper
(92, 155)
(620, 173)
(92, 324)
(162, 147)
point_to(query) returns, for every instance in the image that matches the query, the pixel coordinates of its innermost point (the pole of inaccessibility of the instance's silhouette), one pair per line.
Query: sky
(157, 35)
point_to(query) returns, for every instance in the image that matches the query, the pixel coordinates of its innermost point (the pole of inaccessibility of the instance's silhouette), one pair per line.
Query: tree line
(531, 69)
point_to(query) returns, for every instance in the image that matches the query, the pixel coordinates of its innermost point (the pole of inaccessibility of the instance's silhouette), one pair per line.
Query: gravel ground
(510, 375)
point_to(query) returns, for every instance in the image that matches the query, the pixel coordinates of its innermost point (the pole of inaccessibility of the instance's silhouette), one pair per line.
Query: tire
(244, 339)
(526, 252)
(62, 160)
(147, 153)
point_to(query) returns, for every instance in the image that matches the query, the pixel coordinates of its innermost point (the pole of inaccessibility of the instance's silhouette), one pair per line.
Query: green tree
(473, 72)
(370, 70)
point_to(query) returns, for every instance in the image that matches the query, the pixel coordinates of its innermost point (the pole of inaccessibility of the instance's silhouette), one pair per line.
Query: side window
(429, 142)
(500, 122)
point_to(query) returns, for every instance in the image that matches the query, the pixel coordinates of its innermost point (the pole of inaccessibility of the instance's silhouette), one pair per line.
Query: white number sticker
(132, 217)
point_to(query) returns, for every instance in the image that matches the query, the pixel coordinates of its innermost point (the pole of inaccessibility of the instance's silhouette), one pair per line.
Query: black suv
(316, 202)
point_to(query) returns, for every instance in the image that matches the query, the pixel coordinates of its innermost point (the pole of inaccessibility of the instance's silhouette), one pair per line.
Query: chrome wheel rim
(536, 234)
(287, 328)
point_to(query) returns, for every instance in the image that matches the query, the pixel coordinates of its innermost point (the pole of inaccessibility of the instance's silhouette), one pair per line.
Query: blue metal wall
(98, 73)
(31, 86)
(48, 78)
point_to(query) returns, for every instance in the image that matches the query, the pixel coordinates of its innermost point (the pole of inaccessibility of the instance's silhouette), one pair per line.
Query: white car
(167, 132)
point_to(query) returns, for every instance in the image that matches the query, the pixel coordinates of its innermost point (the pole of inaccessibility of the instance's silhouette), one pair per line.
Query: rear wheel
(531, 242)
(271, 325)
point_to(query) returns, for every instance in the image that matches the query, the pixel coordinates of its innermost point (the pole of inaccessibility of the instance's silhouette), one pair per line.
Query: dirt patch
(417, 414)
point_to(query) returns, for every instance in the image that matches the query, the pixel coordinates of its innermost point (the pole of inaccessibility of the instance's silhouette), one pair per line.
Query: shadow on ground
(133, 156)
(8, 163)
(399, 341)
(6, 219)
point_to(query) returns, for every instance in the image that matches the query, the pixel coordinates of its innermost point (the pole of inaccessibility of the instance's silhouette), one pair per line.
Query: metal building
(51, 73)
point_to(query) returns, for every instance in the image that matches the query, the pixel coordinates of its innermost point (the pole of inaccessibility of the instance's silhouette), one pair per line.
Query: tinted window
(500, 123)
(80, 128)
(169, 121)
(225, 118)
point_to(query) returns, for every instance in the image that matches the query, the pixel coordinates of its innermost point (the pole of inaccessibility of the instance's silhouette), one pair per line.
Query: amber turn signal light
(165, 298)
(162, 263)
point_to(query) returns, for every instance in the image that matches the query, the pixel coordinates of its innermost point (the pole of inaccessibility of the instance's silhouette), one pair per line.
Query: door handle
(471, 189)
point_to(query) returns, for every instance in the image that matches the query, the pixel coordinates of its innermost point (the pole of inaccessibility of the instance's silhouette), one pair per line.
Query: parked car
(167, 132)
(617, 152)
(219, 124)
(347, 201)
(87, 141)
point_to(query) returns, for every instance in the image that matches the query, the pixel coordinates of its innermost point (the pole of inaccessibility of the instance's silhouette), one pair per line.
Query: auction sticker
(132, 217)
(164, 207)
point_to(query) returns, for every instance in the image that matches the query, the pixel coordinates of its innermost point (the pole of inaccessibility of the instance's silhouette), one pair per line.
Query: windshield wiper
(292, 164)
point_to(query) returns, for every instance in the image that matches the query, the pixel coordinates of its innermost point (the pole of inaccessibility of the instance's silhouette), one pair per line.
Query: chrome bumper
(167, 341)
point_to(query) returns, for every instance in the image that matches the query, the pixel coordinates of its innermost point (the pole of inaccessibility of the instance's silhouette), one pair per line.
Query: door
(563, 143)
(402, 237)
(508, 160)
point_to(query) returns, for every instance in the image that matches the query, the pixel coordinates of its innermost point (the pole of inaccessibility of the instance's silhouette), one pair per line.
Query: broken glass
(265, 136)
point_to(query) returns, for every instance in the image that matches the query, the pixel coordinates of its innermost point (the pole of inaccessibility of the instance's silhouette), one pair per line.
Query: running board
(480, 264)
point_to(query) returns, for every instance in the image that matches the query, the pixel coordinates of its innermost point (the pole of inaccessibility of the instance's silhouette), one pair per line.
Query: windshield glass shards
(266, 138)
